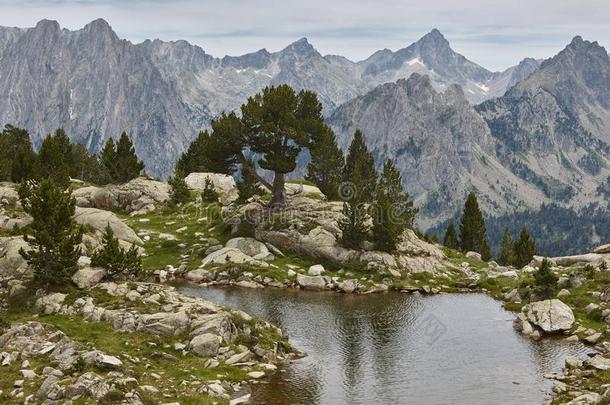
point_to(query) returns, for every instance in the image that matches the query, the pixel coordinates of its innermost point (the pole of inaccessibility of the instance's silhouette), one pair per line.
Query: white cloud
(494, 33)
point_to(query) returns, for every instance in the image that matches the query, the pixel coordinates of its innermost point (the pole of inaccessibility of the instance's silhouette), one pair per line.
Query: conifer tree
(209, 194)
(107, 158)
(120, 160)
(276, 125)
(506, 256)
(354, 223)
(394, 211)
(360, 168)
(180, 192)
(17, 157)
(86, 166)
(472, 228)
(114, 258)
(248, 185)
(545, 280)
(213, 154)
(525, 249)
(325, 168)
(128, 166)
(55, 158)
(450, 239)
(53, 235)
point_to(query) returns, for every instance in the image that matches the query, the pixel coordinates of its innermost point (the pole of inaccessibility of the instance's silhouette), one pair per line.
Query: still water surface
(398, 349)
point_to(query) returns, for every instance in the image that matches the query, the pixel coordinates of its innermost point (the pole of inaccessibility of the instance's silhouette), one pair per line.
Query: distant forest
(558, 231)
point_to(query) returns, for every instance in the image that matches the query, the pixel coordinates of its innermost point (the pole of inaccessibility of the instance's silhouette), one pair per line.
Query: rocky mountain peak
(100, 29)
(47, 25)
(433, 40)
(302, 47)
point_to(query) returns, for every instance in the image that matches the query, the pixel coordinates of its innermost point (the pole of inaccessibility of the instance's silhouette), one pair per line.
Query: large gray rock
(550, 315)
(98, 220)
(311, 282)
(602, 249)
(223, 184)
(230, 255)
(12, 264)
(249, 246)
(139, 195)
(205, 345)
(87, 277)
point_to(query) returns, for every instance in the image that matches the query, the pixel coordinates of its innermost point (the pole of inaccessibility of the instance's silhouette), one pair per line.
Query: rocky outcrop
(138, 196)
(551, 316)
(223, 184)
(310, 227)
(97, 220)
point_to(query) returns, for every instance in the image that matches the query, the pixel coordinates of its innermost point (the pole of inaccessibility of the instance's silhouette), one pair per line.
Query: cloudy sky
(495, 34)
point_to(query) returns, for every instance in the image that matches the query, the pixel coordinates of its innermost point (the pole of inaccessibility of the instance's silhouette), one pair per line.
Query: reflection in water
(376, 349)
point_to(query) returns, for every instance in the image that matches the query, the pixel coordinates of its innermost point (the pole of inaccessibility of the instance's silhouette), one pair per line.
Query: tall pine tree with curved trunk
(472, 229)
(360, 169)
(393, 209)
(278, 123)
(325, 167)
(525, 249)
(450, 239)
(53, 235)
(507, 249)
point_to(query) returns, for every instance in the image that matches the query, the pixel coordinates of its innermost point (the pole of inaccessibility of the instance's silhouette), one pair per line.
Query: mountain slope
(554, 126)
(441, 146)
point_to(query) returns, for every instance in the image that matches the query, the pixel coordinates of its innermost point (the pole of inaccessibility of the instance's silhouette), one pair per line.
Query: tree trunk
(278, 199)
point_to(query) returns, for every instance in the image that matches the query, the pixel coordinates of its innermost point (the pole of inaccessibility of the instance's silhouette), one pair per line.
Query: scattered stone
(563, 293)
(87, 277)
(256, 374)
(598, 362)
(315, 270)
(205, 345)
(311, 282)
(474, 255)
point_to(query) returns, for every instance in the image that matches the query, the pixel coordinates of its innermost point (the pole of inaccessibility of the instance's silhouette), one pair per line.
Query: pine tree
(248, 185)
(209, 194)
(472, 229)
(55, 158)
(506, 256)
(545, 280)
(360, 169)
(214, 154)
(108, 162)
(53, 234)
(354, 224)
(394, 211)
(180, 192)
(325, 168)
(450, 239)
(115, 259)
(128, 166)
(276, 124)
(86, 166)
(17, 157)
(525, 249)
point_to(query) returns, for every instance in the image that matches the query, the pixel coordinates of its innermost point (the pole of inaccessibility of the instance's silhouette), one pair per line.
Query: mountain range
(537, 133)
